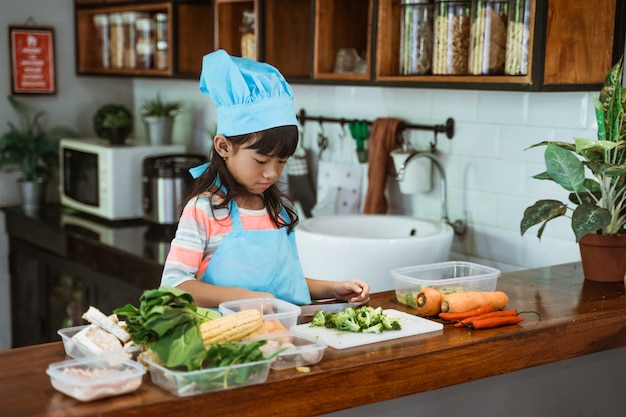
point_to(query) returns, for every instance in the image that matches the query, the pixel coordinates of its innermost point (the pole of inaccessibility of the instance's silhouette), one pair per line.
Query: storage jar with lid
(146, 42)
(488, 37)
(161, 40)
(518, 36)
(116, 27)
(101, 21)
(452, 27)
(248, 36)
(128, 21)
(416, 37)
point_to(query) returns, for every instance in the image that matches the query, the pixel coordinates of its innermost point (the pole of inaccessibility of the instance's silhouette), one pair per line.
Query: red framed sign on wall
(32, 60)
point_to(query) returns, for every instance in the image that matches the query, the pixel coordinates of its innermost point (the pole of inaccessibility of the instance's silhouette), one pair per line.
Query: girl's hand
(353, 291)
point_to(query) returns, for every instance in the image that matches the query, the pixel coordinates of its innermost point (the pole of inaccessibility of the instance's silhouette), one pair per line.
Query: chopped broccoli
(364, 319)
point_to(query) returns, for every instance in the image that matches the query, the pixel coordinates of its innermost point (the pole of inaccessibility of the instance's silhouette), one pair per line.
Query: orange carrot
(459, 302)
(462, 316)
(498, 313)
(496, 322)
(428, 302)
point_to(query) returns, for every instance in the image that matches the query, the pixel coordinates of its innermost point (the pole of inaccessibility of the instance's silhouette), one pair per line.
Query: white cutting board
(411, 326)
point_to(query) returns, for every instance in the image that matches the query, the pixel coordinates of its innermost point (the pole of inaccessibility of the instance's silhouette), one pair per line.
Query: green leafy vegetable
(364, 319)
(168, 321)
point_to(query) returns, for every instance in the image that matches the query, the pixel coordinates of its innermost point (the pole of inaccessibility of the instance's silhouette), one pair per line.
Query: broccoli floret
(319, 319)
(390, 323)
(346, 320)
(377, 328)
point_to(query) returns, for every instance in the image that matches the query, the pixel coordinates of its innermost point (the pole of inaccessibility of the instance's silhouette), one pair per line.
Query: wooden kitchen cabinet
(572, 46)
(283, 32)
(188, 35)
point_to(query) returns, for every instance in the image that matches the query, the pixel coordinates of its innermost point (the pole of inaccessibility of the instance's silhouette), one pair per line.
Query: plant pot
(159, 129)
(603, 257)
(118, 135)
(33, 195)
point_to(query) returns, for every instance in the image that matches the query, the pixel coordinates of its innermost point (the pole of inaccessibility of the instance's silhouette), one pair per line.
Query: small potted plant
(114, 122)
(33, 150)
(594, 173)
(158, 117)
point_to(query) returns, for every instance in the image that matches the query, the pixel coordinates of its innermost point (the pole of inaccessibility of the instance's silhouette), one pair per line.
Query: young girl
(235, 237)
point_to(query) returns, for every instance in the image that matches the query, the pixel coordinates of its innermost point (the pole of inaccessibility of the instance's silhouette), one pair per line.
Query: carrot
(488, 323)
(498, 313)
(464, 315)
(459, 302)
(428, 302)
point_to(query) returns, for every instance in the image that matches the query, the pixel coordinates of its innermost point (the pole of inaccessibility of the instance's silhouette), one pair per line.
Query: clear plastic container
(299, 350)
(101, 21)
(96, 377)
(116, 24)
(248, 36)
(75, 350)
(271, 308)
(185, 383)
(416, 37)
(447, 277)
(162, 46)
(145, 46)
(488, 36)
(518, 37)
(452, 30)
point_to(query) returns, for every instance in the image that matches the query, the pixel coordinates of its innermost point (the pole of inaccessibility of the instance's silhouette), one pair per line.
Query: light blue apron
(259, 260)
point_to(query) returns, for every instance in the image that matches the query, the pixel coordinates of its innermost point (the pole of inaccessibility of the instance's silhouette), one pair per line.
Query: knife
(329, 307)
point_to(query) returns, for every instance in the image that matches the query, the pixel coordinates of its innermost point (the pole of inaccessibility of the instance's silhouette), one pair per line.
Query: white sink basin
(342, 247)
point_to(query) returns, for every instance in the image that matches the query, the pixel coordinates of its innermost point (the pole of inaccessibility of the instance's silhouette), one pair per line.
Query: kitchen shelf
(572, 45)
(283, 32)
(188, 36)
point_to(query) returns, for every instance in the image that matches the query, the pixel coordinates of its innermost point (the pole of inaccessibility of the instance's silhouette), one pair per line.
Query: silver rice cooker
(166, 179)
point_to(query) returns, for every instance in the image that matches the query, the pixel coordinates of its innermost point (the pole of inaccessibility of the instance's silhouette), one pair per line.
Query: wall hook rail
(447, 127)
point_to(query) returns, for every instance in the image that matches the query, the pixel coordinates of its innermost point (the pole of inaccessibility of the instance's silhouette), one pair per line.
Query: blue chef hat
(250, 96)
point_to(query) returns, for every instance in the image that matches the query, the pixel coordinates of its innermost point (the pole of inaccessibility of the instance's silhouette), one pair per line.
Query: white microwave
(105, 180)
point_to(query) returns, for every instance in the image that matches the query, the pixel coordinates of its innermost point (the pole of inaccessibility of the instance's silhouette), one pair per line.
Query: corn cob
(231, 328)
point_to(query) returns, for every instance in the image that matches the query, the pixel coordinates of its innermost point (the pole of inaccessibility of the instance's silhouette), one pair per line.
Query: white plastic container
(187, 383)
(447, 277)
(271, 308)
(95, 377)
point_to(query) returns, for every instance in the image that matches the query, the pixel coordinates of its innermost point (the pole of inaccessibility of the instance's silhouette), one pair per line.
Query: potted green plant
(594, 173)
(158, 117)
(33, 150)
(114, 122)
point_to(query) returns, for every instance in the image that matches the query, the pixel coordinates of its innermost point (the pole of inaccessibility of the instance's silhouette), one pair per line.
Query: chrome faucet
(459, 226)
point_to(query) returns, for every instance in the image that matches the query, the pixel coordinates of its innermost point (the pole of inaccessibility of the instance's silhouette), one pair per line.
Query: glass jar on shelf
(162, 45)
(488, 37)
(416, 37)
(248, 35)
(452, 29)
(146, 44)
(101, 21)
(128, 19)
(116, 27)
(518, 36)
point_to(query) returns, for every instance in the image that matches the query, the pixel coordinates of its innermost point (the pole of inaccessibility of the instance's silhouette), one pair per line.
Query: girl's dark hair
(278, 142)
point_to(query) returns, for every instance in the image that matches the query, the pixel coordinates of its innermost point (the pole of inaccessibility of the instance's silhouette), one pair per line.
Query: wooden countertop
(574, 318)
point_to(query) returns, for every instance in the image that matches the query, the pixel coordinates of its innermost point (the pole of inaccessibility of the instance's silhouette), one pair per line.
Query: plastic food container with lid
(94, 377)
(271, 308)
(447, 277)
